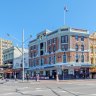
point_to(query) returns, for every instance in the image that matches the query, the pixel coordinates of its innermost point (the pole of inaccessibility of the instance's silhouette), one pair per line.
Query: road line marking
(7, 93)
(37, 88)
(93, 94)
(62, 91)
(23, 88)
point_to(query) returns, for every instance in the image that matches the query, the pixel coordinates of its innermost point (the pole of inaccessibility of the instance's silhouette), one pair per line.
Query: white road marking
(23, 88)
(62, 91)
(38, 88)
(93, 94)
(33, 91)
(7, 93)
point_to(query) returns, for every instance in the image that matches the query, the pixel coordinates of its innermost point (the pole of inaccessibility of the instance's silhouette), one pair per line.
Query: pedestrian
(15, 77)
(27, 77)
(37, 77)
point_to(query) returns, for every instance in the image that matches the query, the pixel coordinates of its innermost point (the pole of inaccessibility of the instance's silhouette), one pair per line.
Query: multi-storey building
(4, 44)
(12, 56)
(10, 53)
(17, 65)
(64, 51)
(92, 38)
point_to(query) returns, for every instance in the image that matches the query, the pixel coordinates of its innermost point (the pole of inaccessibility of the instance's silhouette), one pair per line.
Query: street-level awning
(92, 70)
(8, 71)
(87, 65)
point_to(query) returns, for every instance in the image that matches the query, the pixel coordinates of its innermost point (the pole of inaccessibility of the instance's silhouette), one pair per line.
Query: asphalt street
(48, 88)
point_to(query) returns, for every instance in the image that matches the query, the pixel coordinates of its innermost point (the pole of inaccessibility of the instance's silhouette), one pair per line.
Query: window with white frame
(64, 58)
(82, 38)
(49, 60)
(54, 48)
(54, 59)
(50, 49)
(64, 47)
(82, 47)
(76, 47)
(64, 39)
(42, 61)
(82, 58)
(77, 58)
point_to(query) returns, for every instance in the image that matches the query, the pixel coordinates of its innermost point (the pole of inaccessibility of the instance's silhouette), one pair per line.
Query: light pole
(23, 54)
(65, 10)
(23, 41)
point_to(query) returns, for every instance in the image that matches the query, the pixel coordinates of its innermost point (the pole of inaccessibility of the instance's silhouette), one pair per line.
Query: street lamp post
(23, 41)
(23, 55)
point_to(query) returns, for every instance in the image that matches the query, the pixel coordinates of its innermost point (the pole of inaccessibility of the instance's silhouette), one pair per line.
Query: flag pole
(64, 17)
(65, 10)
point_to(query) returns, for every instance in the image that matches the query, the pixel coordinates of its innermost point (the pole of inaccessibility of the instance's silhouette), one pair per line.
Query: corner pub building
(64, 51)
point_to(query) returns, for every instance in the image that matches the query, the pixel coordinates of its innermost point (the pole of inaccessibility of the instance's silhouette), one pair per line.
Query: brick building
(64, 51)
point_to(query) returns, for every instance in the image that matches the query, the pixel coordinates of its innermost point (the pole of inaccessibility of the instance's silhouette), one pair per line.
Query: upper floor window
(49, 60)
(54, 59)
(42, 61)
(82, 47)
(49, 42)
(64, 58)
(50, 49)
(34, 62)
(54, 48)
(35, 54)
(37, 62)
(64, 39)
(76, 37)
(76, 47)
(91, 49)
(92, 61)
(82, 38)
(41, 52)
(55, 40)
(82, 58)
(34, 46)
(77, 58)
(52, 40)
(41, 45)
(64, 47)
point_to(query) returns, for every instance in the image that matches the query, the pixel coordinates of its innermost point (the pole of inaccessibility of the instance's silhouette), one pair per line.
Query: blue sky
(36, 15)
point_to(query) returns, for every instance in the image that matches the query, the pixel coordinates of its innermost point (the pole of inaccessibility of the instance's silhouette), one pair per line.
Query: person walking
(37, 77)
(15, 77)
(27, 77)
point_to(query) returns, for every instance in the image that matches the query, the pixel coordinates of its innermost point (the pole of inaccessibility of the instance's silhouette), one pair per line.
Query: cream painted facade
(92, 55)
(4, 44)
(92, 45)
